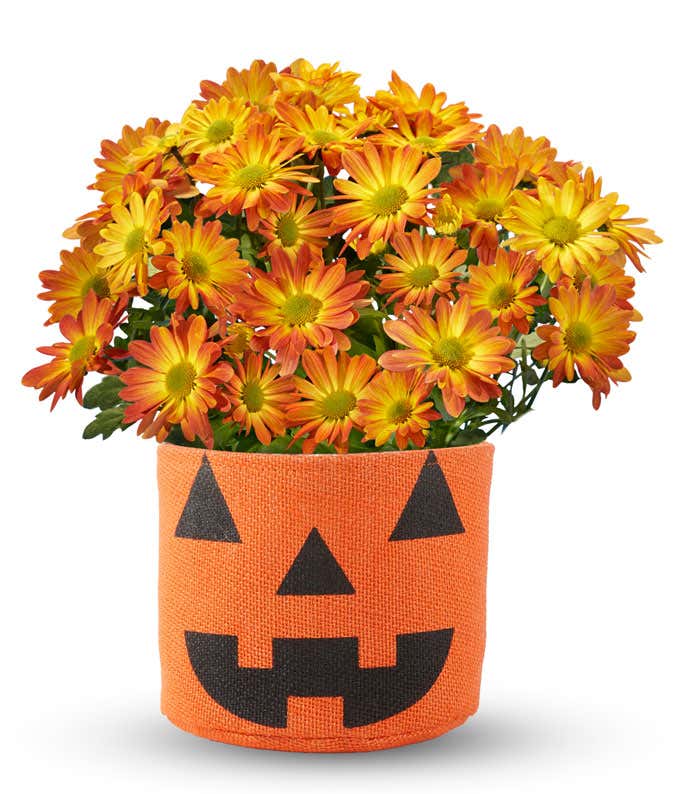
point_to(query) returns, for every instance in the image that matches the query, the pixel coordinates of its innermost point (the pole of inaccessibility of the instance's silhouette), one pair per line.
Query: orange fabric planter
(322, 603)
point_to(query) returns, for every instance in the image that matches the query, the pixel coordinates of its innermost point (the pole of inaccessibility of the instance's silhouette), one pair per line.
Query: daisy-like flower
(254, 84)
(483, 195)
(252, 175)
(215, 126)
(117, 160)
(426, 133)
(328, 408)
(529, 157)
(259, 397)
(321, 130)
(396, 403)
(177, 382)
(201, 264)
(560, 226)
(390, 187)
(131, 238)
(423, 268)
(605, 272)
(458, 349)
(88, 335)
(446, 217)
(297, 306)
(296, 226)
(402, 97)
(303, 84)
(504, 288)
(80, 272)
(590, 337)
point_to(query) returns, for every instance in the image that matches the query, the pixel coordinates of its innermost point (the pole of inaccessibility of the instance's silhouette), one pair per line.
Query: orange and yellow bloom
(213, 127)
(457, 349)
(177, 382)
(590, 336)
(396, 404)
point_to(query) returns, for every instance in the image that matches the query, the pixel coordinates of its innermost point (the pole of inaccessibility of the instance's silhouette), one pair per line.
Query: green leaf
(105, 423)
(105, 394)
(467, 437)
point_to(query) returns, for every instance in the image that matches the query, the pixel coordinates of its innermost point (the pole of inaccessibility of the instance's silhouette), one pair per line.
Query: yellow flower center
(561, 230)
(322, 137)
(252, 177)
(578, 337)
(423, 275)
(388, 200)
(82, 348)
(287, 230)
(99, 284)
(134, 242)
(219, 131)
(338, 404)
(488, 209)
(252, 396)
(399, 412)
(451, 353)
(195, 266)
(425, 142)
(179, 380)
(501, 296)
(301, 309)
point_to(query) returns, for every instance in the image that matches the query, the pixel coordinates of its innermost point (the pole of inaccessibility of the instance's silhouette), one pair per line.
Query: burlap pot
(322, 602)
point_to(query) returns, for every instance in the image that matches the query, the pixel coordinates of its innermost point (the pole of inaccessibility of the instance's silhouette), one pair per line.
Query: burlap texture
(224, 557)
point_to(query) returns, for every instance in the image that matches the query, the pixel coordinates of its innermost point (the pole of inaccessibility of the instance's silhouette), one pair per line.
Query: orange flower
(608, 272)
(177, 382)
(396, 403)
(504, 289)
(202, 264)
(296, 225)
(303, 84)
(560, 226)
(88, 335)
(252, 175)
(390, 187)
(402, 97)
(483, 195)
(590, 337)
(329, 409)
(321, 132)
(259, 398)
(254, 84)
(213, 127)
(131, 239)
(423, 268)
(80, 272)
(529, 157)
(458, 349)
(446, 217)
(296, 306)
(423, 131)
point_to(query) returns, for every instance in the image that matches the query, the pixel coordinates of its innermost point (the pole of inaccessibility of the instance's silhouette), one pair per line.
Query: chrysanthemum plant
(293, 267)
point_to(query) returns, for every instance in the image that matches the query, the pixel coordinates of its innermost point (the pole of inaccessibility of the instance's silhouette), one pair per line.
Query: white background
(580, 683)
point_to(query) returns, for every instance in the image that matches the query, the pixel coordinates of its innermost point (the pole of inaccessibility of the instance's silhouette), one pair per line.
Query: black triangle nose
(315, 571)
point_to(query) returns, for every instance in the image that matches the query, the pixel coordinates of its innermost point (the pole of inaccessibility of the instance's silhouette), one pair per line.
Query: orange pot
(322, 602)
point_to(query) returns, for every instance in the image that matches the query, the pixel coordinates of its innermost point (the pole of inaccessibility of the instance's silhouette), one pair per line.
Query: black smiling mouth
(326, 667)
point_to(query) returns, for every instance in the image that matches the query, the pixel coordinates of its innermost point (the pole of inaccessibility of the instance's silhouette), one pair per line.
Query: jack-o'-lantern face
(303, 608)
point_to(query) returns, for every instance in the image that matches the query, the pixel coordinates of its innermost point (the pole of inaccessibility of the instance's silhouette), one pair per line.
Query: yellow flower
(457, 349)
(590, 336)
(131, 239)
(297, 225)
(446, 217)
(303, 84)
(390, 187)
(254, 85)
(425, 132)
(560, 226)
(529, 157)
(213, 127)
(396, 403)
(202, 264)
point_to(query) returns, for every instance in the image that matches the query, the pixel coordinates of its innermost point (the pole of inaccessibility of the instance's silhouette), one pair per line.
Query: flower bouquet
(296, 268)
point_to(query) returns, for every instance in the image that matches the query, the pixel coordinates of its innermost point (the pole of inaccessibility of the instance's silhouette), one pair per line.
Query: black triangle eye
(315, 571)
(430, 511)
(206, 515)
